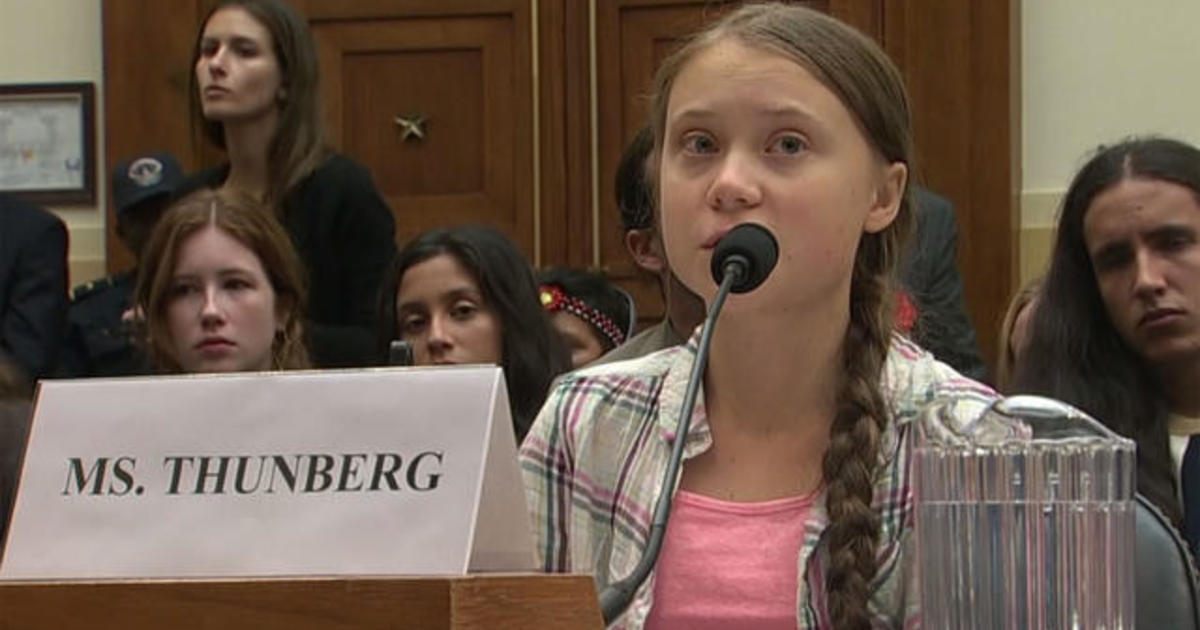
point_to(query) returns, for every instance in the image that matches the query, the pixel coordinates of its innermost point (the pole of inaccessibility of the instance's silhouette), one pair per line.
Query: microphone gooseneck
(741, 261)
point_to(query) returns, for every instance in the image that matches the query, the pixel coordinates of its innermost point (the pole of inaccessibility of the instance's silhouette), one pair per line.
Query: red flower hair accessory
(906, 313)
(555, 299)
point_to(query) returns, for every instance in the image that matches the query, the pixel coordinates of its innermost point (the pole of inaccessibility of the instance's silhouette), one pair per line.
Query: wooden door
(435, 99)
(147, 65)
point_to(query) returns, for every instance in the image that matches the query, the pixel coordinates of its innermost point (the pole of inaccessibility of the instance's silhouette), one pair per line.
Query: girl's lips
(214, 344)
(1160, 316)
(712, 241)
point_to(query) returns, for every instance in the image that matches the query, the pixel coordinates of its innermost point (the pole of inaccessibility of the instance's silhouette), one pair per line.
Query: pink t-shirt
(729, 565)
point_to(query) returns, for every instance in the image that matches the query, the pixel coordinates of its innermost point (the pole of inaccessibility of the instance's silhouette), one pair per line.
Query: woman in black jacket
(255, 96)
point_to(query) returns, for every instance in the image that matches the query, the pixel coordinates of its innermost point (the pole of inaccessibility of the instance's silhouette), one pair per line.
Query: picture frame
(48, 142)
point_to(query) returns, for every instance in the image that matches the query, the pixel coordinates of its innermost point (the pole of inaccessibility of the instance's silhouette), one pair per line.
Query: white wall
(50, 41)
(1093, 72)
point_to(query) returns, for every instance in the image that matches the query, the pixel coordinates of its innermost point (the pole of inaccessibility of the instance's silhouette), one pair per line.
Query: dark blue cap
(143, 177)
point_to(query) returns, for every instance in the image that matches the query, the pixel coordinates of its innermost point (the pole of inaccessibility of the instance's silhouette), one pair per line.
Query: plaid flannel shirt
(595, 457)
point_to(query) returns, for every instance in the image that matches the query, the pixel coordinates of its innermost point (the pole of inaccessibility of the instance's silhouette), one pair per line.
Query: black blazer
(929, 272)
(33, 285)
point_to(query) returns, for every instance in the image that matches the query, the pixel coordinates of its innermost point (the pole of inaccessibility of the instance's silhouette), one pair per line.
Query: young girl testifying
(794, 507)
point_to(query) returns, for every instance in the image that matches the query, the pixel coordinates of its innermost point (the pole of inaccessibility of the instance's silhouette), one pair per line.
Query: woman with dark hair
(226, 293)
(254, 95)
(592, 314)
(467, 295)
(1116, 331)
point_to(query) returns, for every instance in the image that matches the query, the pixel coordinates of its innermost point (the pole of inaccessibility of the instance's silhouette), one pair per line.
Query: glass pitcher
(1026, 527)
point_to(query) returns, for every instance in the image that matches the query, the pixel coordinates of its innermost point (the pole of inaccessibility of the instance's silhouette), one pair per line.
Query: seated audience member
(14, 430)
(99, 340)
(635, 199)
(13, 385)
(255, 95)
(795, 505)
(929, 277)
(226, 293)
(1014, 332)
(592, 314)
(33, 286)
(1116, 331)
(467, 295)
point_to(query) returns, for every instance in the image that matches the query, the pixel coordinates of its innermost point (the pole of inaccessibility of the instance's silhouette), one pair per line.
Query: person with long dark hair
(254, 92)
(1116, 331)
(795, 504)
(467, 295)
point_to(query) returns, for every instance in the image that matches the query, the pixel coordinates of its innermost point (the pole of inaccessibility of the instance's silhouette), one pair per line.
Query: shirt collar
(699, 438)
(670, 400)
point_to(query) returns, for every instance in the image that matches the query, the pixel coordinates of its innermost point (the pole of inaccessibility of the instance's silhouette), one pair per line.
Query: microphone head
(751, 246)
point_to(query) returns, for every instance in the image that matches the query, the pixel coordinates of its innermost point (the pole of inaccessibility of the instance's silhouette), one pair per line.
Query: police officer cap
(143, 177)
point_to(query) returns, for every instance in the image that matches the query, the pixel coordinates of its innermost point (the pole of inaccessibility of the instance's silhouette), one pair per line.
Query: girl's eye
(1175, 241)
(1112, 260)
(412, 324)
(787, 144)
(236, 284)
(463, 310)
(246, 50)
(181, 290)
(699, 143)
(208, 48)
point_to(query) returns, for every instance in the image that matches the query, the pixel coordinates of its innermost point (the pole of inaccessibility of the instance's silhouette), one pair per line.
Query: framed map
(48, 142)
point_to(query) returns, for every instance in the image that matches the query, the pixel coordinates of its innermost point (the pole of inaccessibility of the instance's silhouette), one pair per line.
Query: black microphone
(400, 353)
(741, 261)
(753, 251)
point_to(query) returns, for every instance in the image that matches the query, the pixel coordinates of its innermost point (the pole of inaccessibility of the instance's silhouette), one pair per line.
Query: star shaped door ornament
(411, 127)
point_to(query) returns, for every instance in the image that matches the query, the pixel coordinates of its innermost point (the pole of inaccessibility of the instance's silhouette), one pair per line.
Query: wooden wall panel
(962, 66)
(468, 78)
(146, 73)
(565, 132)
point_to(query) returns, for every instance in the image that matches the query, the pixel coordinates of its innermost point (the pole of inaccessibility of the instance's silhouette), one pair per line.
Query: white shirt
(1181, 428)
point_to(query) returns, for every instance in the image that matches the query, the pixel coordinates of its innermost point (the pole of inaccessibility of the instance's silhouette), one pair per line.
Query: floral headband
(555, 299)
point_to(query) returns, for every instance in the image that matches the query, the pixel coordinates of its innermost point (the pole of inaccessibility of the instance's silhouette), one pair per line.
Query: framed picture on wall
(48, 142)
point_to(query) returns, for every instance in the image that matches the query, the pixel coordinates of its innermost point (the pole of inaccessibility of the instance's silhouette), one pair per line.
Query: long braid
(852, 458)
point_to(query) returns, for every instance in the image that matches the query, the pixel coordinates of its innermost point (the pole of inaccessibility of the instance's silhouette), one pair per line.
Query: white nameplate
(374, 472)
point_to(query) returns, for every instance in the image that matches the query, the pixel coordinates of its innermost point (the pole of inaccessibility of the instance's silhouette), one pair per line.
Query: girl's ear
(283, 312)
(888, 195)
(646, 249)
